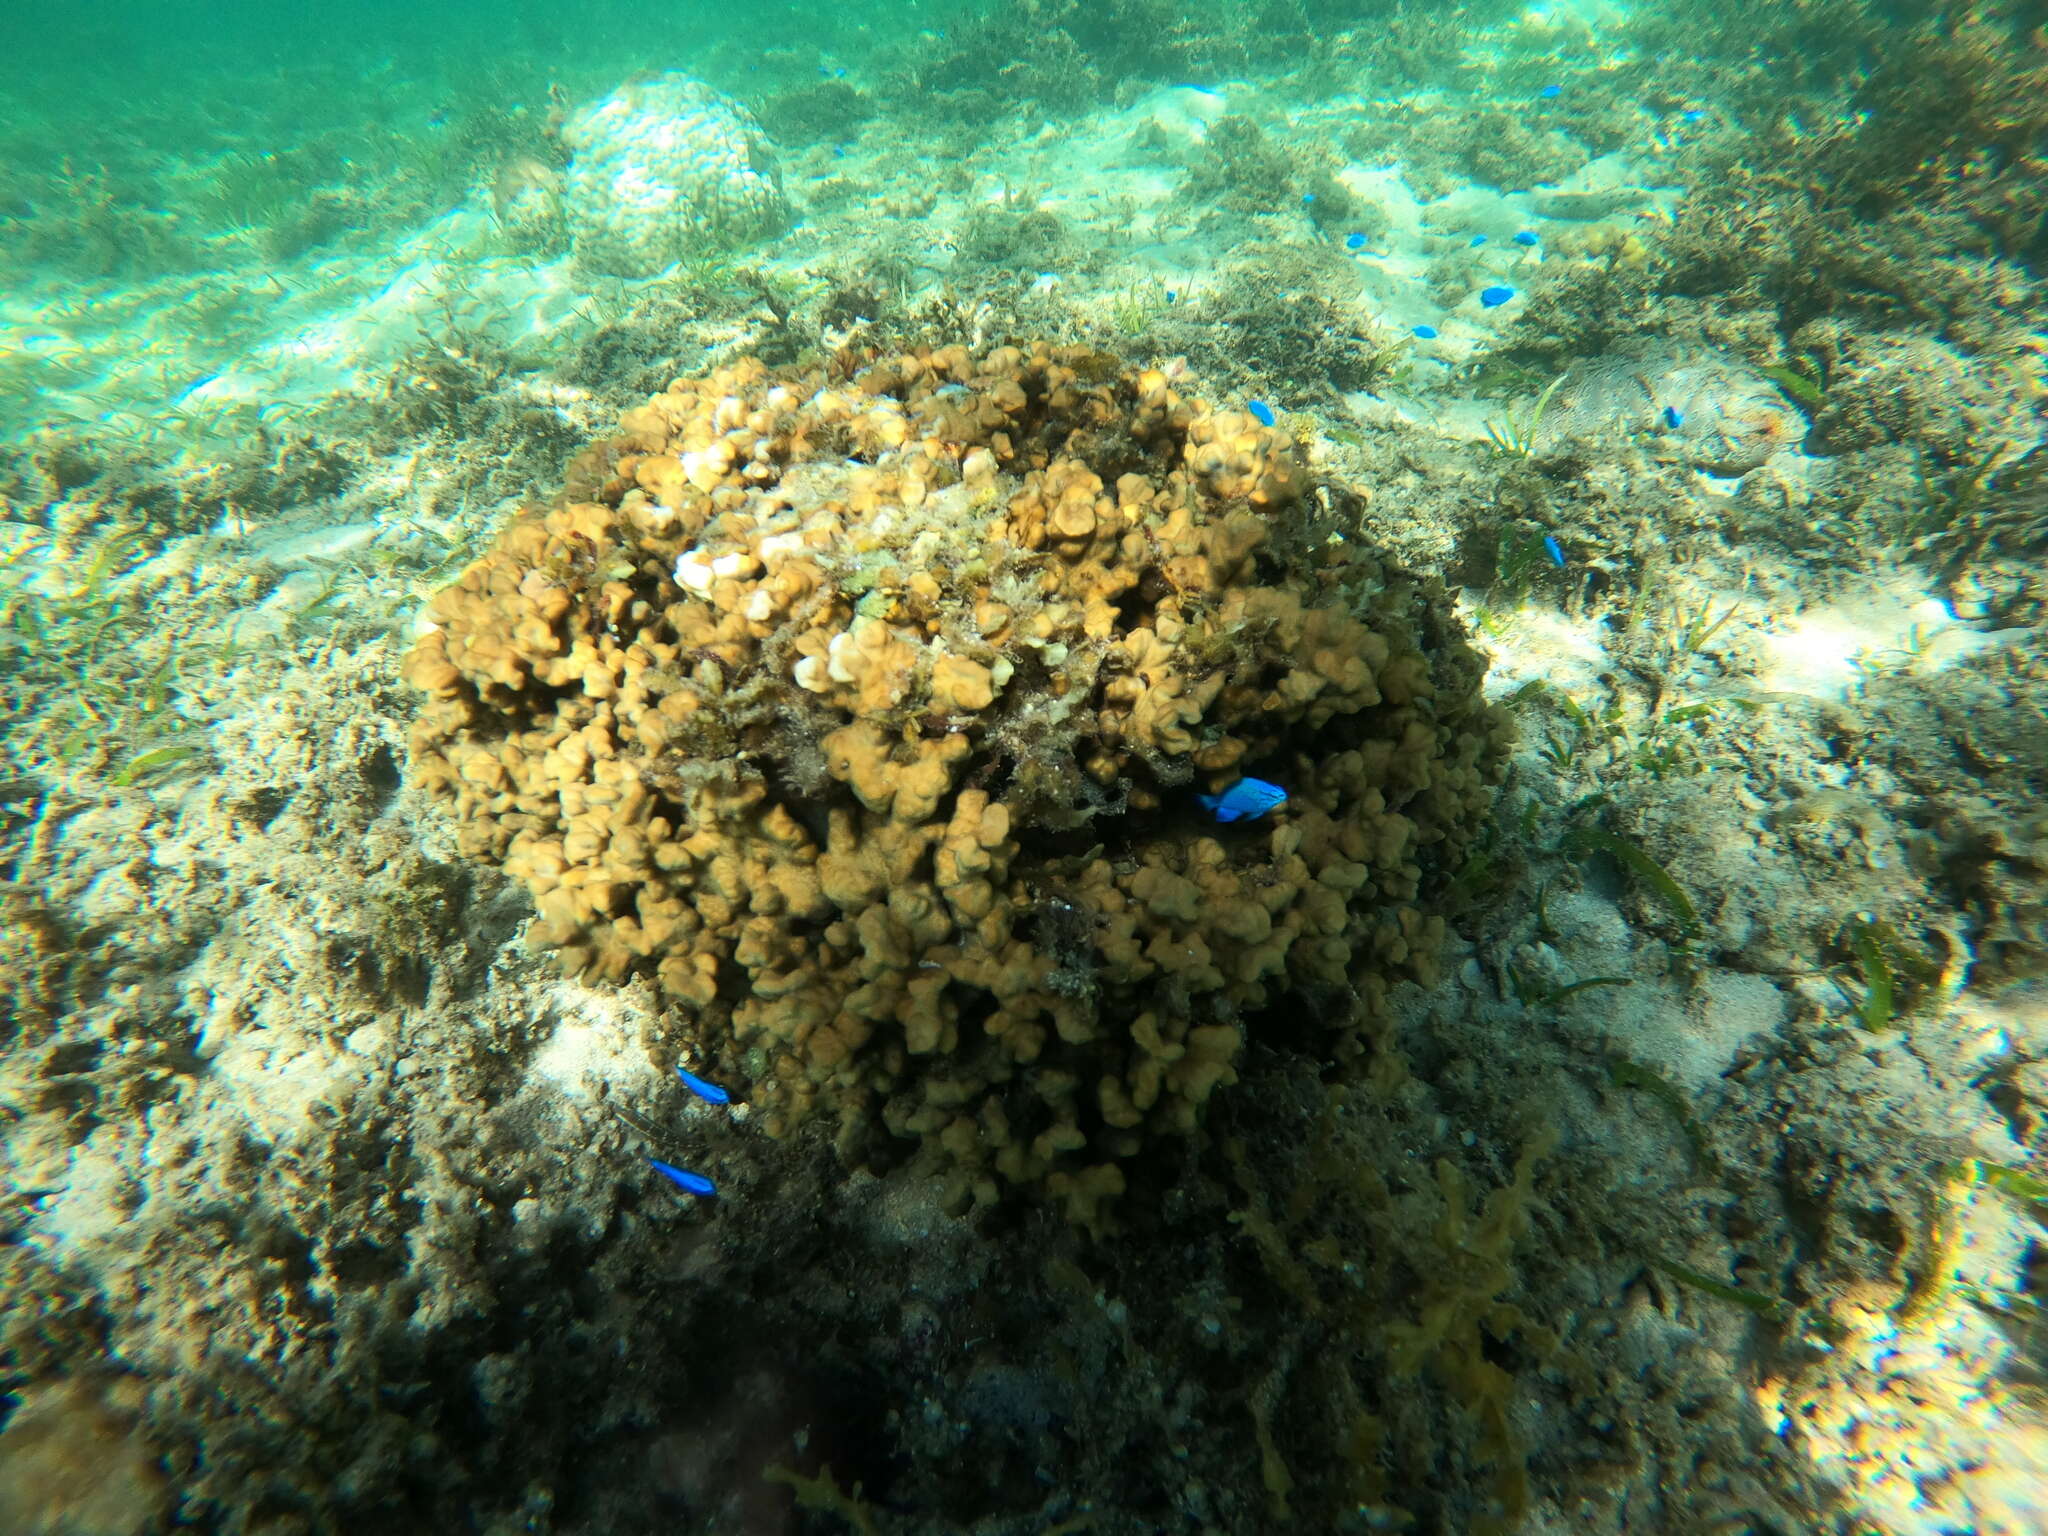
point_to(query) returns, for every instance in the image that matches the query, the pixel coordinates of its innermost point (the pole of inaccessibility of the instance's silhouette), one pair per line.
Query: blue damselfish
(710, 1093)
(1496, 296)
(689, 1183)
(1246, 800)
(1261, 412)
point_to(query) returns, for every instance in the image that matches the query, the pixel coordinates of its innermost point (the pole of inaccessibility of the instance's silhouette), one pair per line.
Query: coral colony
(936, 708)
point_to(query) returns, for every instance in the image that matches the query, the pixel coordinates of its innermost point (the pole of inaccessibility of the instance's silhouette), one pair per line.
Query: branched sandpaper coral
(869, 711)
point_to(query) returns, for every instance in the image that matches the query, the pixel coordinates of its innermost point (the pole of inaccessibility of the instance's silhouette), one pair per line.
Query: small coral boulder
(662, 168)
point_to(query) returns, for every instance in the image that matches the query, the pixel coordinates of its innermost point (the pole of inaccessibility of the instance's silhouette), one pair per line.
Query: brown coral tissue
(869, 711)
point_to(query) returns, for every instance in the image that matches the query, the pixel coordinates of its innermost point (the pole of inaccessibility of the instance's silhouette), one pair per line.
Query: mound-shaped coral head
(869, 711)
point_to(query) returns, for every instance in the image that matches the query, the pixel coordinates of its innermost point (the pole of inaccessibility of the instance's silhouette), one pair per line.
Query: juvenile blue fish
(710, 1093)
(689, 1183)
(1246, 800)
(1692, 114)
(1171, 295)
(1527, 237)
(1497, 295)
(1354, 241)
(1426, 332)
(1308, 197)
(1262, 413)
(1478, 240)
(1554, 549)
(1551, 92)
(1673, 417)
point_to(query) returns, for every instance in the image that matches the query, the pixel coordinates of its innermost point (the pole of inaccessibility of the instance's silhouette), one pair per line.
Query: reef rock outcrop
(663, 167)
(869, 712)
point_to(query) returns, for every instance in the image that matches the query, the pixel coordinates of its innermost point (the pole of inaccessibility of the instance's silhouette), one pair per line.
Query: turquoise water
(1056, 768)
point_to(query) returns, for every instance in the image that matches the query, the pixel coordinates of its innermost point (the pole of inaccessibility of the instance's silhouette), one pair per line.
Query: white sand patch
(596, 1047)
(1689, 1034)
(1825, 651)
(441, 269)
(98, 1196)
(1538, 644)
(1725, 1010)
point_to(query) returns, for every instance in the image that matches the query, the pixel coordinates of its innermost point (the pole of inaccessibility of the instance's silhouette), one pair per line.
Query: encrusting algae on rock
(868, 710)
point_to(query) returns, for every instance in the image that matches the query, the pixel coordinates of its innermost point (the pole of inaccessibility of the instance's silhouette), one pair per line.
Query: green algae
(1768, 1307)
(1590, 840)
